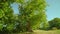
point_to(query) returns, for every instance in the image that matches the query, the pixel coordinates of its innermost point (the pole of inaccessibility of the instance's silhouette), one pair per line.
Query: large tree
(32, 13)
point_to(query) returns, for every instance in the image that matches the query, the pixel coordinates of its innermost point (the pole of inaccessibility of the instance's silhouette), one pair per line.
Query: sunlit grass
(43, 32)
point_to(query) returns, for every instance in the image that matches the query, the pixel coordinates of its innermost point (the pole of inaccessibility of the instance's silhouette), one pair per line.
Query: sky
(53, 9)
(15, 8)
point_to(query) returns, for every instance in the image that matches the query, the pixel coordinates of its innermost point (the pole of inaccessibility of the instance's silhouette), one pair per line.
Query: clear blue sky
(53, 10)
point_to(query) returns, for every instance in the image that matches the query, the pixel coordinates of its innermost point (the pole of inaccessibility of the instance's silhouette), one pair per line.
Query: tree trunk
(29, 27)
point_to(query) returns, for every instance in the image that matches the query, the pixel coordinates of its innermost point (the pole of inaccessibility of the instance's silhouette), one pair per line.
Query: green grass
(43, 32)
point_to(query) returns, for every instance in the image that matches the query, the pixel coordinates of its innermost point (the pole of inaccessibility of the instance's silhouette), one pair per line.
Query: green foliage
(44, 26)
(10, 27)
(55, 23)
(6, 16)
(1, 14)
(32, 13)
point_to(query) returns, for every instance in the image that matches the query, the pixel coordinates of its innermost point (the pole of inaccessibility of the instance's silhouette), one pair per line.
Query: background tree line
(52, 24)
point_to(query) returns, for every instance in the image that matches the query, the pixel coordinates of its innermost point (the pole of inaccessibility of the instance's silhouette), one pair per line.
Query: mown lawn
(43, 32)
